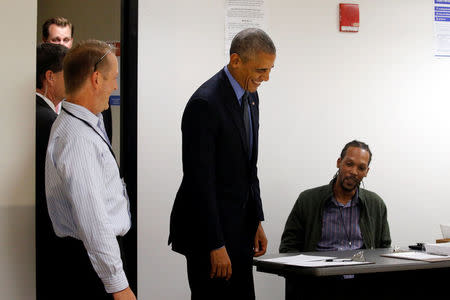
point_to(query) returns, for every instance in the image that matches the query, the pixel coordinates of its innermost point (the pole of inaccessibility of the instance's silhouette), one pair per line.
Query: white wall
(381, 85)
(17, 157)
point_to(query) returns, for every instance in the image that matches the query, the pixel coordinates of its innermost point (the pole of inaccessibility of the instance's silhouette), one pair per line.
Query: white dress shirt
(86, 197)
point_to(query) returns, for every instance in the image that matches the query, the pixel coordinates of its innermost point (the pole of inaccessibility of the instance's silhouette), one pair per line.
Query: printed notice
(242, 14)
(442, 27)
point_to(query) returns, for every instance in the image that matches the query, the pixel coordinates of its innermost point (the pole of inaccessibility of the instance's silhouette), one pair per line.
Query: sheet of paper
(335, 263)
(442, 27)
(242, 14)
(295, 259)
(439, 249)
(313, 261)
(418, 256)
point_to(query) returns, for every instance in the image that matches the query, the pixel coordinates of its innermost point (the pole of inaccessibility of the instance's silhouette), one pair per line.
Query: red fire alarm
(348, 17)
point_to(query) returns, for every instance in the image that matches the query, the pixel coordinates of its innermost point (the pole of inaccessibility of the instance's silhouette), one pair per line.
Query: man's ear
(367, 171)
(96, 79)
(49, 77)
(338, 162)
(235, 60)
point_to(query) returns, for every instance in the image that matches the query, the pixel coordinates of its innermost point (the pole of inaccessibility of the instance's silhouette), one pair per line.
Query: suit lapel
(42, 104)
(232, 104)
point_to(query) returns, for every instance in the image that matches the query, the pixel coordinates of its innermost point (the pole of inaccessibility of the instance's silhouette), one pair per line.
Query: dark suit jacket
(45, 236)
(218, 202)
(45, 116)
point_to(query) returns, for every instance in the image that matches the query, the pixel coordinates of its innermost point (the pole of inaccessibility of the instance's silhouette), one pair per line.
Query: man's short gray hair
(250, 41)
(81, 61)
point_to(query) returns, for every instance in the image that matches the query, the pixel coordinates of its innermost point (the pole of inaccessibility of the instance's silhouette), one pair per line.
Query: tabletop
(379, 264)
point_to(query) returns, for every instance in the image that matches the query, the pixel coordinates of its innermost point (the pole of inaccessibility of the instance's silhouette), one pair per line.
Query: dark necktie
(246, 119)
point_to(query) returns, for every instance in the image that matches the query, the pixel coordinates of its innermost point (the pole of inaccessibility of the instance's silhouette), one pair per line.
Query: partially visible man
(86, 197)
(340, 215)
(216, 218)
(49, 92)
(58, 30)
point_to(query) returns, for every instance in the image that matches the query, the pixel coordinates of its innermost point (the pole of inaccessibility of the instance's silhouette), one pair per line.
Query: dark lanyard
(343, 223)
(103, 138)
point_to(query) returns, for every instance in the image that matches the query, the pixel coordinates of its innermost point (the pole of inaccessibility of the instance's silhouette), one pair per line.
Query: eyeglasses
(101, 58)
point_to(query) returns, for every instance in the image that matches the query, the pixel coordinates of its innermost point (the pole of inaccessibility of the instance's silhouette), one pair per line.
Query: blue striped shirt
(340, 226)
(86, 197)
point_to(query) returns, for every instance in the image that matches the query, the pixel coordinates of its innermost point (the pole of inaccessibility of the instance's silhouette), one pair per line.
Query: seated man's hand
(220, 264)
(126, 294)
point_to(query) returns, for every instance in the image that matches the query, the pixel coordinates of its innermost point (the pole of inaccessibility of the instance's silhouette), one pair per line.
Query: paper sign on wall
(442, 28)
(242, 14)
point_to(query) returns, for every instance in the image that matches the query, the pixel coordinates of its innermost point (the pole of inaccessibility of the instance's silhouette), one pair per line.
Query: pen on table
(338, 259)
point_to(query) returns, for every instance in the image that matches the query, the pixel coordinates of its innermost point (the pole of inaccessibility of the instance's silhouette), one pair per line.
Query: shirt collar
(353, 202)
(49, 103)
(238, 90)
(82, 113)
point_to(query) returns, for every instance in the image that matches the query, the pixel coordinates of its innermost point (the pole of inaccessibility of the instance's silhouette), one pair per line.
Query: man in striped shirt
(86, 197)
(340, 215)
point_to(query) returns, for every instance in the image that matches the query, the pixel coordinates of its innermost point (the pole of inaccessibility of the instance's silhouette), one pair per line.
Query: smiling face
(252, 72)
(353, 167)
(108, 82)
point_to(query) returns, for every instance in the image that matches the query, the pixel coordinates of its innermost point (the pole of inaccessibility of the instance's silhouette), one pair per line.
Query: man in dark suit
(216, 218)
(49, 93)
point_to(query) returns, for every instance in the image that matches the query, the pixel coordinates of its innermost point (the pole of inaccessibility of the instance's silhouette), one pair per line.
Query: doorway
(113, 21)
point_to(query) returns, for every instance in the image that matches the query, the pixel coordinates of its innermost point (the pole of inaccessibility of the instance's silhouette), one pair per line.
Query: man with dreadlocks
(340, 215)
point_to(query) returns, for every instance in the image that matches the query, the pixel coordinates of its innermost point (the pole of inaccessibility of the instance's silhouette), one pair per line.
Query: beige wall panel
(17, 158)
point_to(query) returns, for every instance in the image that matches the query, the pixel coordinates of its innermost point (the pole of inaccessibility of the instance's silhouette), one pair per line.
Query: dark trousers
(70, 274)
(239, 287)
(240, 250)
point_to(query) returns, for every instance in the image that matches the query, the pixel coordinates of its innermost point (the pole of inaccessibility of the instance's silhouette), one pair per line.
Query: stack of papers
(313, 261)
(414, 255)
(440, 249)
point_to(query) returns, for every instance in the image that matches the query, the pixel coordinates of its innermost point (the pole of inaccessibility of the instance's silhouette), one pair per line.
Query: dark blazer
(45, 236)
(218, 203)
(45, 116)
